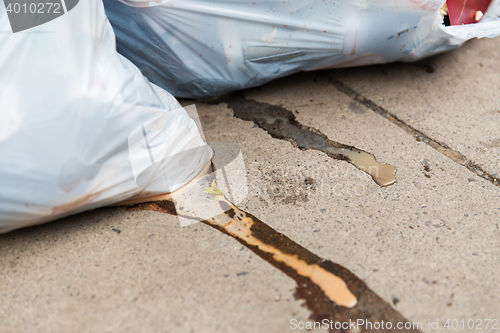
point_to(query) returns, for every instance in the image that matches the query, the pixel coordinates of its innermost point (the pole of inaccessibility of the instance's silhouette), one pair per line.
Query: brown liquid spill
(333, 286)
(280, 123)
(330, 291)
(382, 174)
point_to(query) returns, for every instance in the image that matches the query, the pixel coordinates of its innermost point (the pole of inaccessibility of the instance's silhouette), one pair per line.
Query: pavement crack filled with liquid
(329, 290)
(441, 147)
(281, 123)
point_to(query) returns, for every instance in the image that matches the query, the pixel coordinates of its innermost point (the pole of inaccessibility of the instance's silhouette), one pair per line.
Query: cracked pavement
(429, 245)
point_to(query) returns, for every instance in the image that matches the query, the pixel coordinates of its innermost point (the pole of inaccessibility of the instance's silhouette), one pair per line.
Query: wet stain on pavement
(281, 123)
(329, 290)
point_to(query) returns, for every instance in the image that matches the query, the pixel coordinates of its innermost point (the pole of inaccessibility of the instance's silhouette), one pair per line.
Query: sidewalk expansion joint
(441, 147)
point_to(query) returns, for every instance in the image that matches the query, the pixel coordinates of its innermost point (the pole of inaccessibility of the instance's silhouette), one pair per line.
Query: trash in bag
(199, 49)
(80, 126)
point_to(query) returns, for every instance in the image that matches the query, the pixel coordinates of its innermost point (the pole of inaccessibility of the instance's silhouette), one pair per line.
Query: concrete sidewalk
(429, 244)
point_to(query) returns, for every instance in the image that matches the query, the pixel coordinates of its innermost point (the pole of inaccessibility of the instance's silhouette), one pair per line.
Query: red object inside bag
(464, 11)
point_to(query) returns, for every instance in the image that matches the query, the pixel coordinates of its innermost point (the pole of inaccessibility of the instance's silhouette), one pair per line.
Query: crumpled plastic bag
(199, 49)
(70, 111)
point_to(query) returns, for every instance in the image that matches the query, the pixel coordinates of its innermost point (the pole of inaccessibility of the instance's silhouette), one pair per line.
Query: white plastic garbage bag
(197, 48)
(80, 127)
